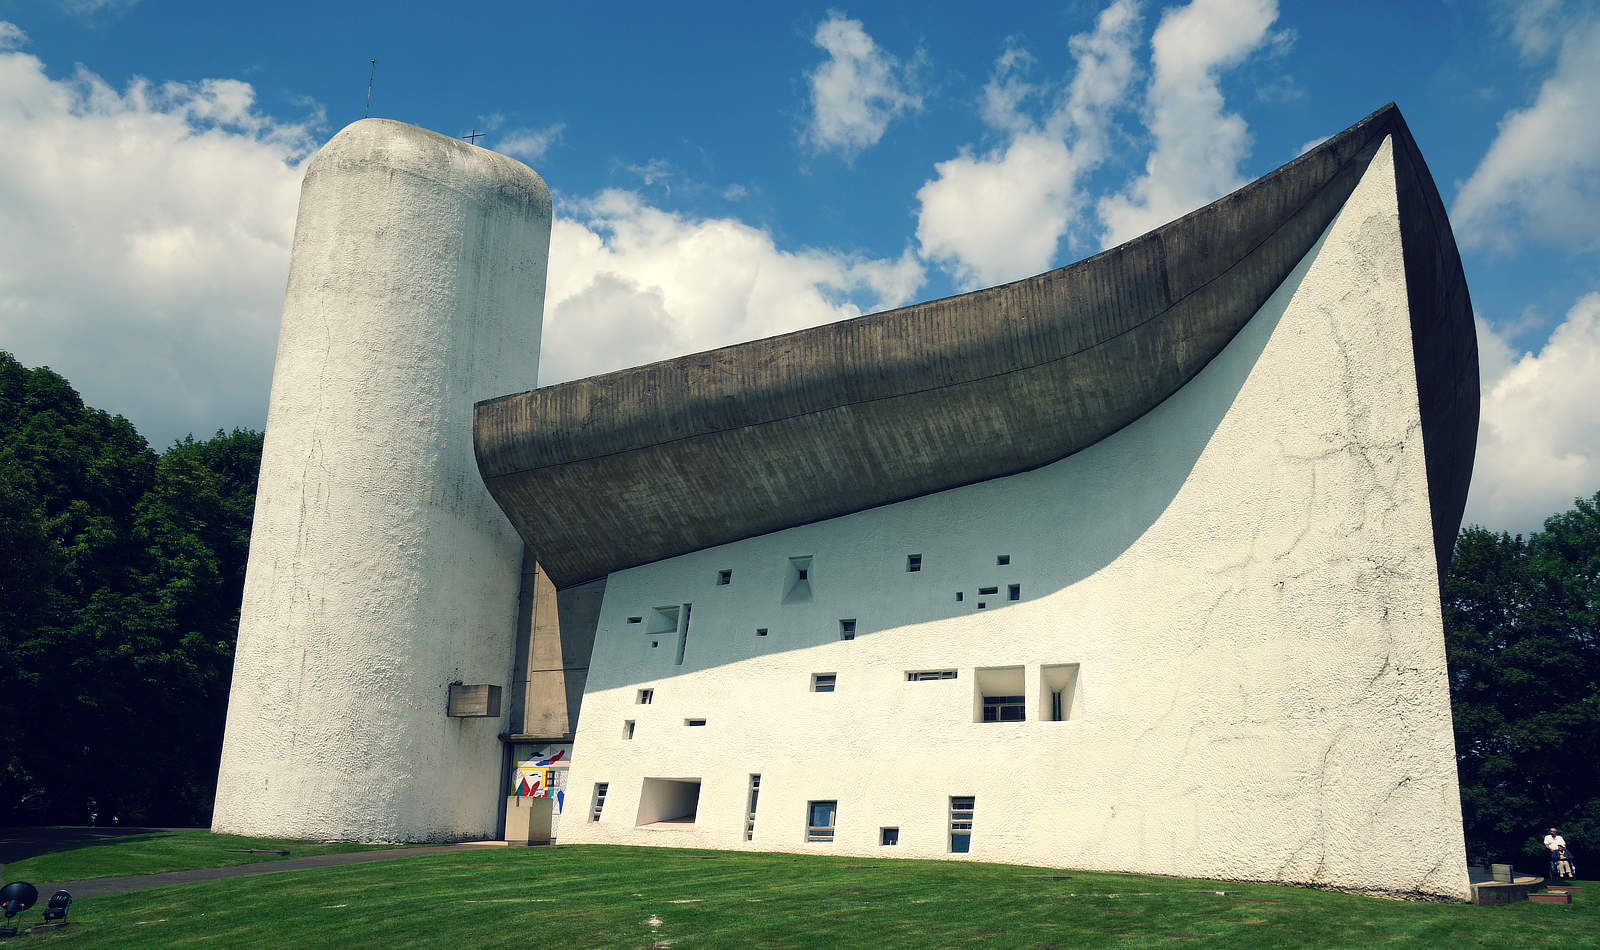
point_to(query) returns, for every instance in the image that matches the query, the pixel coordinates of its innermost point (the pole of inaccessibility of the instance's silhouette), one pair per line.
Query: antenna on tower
(370, 74)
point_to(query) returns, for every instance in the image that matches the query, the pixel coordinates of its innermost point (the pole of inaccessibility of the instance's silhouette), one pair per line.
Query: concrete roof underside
(630, 467)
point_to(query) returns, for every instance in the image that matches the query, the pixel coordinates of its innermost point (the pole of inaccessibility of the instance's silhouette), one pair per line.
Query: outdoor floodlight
(57, 908)
(15, 898)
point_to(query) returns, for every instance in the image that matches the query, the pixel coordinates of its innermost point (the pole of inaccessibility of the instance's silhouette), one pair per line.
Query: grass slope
(160, 851)
(632, 897)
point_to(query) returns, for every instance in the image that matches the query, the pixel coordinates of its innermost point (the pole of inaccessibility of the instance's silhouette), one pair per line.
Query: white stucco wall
(380, 570)
(1245, 575)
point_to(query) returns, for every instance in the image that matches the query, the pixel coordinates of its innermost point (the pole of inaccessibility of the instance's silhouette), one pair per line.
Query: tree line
(122, 569)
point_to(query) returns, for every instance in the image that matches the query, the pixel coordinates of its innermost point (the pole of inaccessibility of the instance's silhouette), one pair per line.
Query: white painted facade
(380, 569)
(1238, 590)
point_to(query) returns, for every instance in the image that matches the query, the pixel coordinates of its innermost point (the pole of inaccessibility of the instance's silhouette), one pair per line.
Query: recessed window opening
(598, 803)
(999, 694)
(627, 728)
(636, 620)
(823, 682)
(724, 578)
(923, 676)
(668, 803)
(961, 810)
(913, 563)
(1058, 689)
(1013, 592)
(694, 722)
(797, 586)
(654, 644)
(887, 836)
(663, 620)
(750, 808)
(683, 635)
(820, 819)
(761, 631)
(959, 596)
(1002, 559)
(847, 629)
(982, 605)
(645, 696)
(986, 591)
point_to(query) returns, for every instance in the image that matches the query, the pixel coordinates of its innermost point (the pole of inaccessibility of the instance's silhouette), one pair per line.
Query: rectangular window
(999, 694)
(847, 629)
(599, 802)
(636, 620)
(961, 808)
(761, 631)
(923, 676)
(645, 695)
(694, 722)
(797, 586)
(1002, 559)
(750, 808)
(820, 818)
(986, 591)
(627, 729)
(913, 563)
(959, 595)
(724, 578)
(1014, 592)
(823, 682)
(1058, 684)
(1003, 709)
(888, 836)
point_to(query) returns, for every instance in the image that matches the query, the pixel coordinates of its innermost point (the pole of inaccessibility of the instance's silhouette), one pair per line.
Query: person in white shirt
(1554, 844)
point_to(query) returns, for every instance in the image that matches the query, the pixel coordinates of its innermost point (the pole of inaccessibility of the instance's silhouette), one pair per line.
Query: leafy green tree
(1523, 636)
(120, 579)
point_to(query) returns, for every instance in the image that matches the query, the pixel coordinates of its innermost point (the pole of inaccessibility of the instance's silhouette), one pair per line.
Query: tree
(1522, 630)
(120, 579)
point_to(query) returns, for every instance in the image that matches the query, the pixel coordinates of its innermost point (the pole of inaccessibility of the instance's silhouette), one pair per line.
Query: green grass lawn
(160, 851)
(633, 897)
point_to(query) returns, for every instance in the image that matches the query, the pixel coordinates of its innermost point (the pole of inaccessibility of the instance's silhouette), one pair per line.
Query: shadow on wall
(1101, 501)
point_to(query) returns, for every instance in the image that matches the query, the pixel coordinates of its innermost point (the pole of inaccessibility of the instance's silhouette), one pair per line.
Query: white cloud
(144, 238)
(11, 36)
(857, 91)
(1001, 215)
(1539, 435)
(530, 145)
(88, 8)
(1540, 178)
(630, 283)
(1197, 145)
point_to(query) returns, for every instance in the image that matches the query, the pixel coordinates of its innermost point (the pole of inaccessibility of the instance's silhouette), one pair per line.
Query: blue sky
(727, 171)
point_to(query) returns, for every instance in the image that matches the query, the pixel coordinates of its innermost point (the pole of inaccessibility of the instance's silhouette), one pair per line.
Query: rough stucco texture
(380, 570)
(1245, 577)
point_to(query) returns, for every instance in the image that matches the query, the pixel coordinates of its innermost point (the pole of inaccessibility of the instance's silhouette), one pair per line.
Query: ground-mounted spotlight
(56, 910)
(15, 898)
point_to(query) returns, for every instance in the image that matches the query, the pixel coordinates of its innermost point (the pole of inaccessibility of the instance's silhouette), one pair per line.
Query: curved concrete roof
(633, 466)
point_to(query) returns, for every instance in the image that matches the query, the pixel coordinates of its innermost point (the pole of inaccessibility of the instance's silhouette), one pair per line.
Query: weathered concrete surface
(554, 638)
(1244, 577)
(380, 570)
(634, 466)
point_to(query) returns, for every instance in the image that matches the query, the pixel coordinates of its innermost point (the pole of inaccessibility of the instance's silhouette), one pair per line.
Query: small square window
(1013, 592)
(847, 629)
(645, 696)
(913, 563)
(654, 644)
(724, 578)
(1002, 559)
(982, 605)
(627, 729)
(823, 682)
(888, 836)
(761, 631)
(820, 820)
(802, 573)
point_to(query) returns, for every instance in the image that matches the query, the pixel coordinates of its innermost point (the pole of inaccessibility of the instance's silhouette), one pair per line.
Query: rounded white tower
(380, 570)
